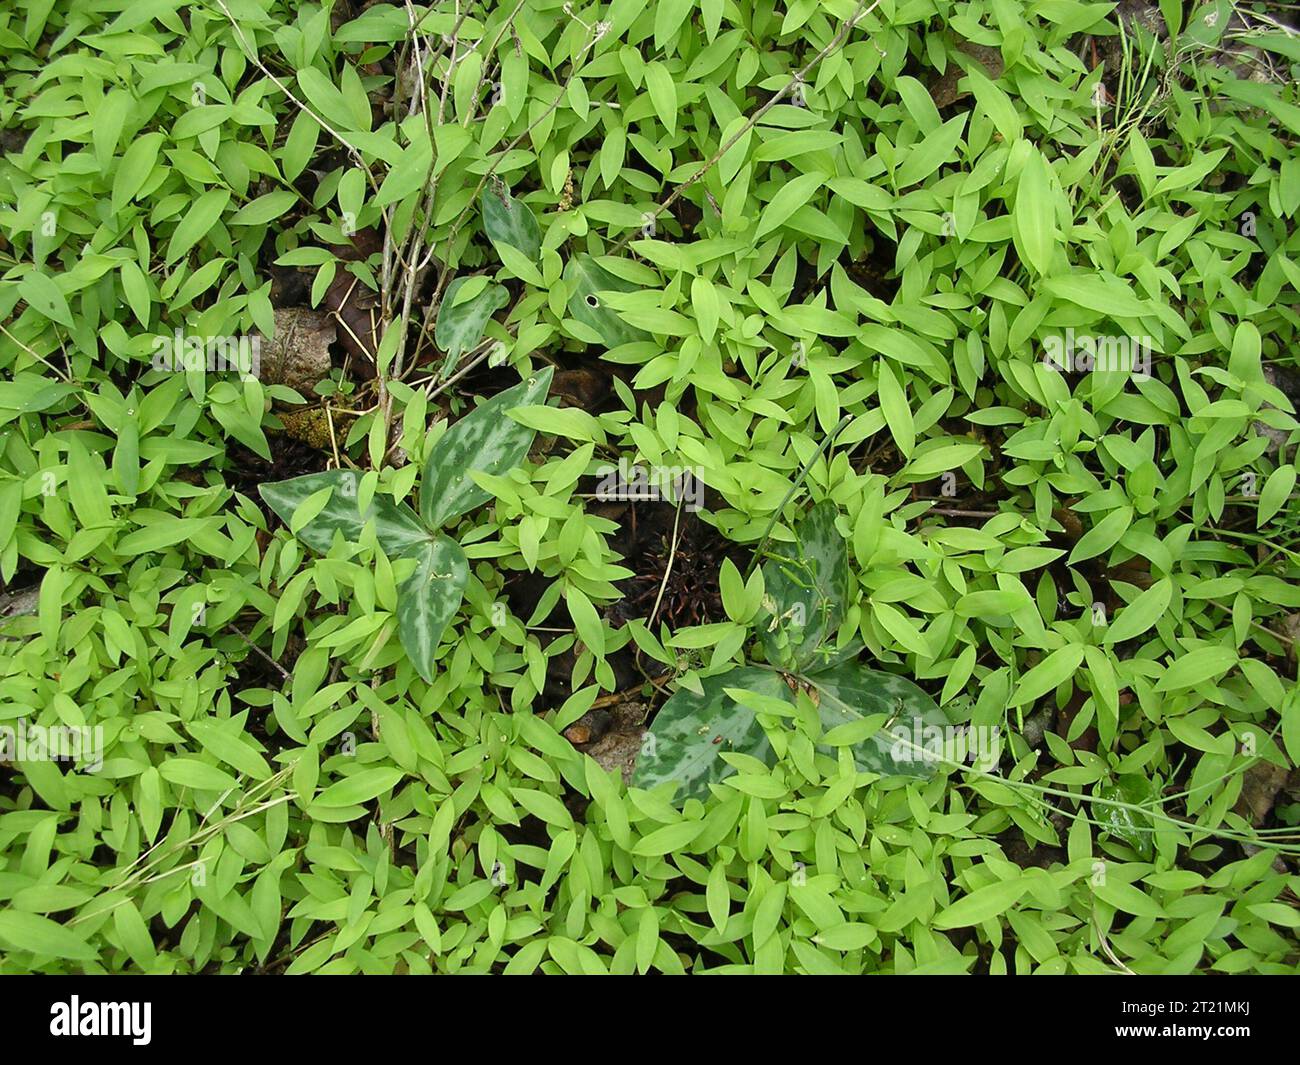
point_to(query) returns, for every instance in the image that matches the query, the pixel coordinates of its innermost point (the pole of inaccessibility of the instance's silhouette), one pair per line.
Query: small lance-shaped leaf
(428, 600)
(805, 586)
(509, 221)
(398, 529)
(460, 325)
(983, 904)
(691, 731)
(1033, 219)
(588, 279)
(485, 440)
(45, 296)
(914, 729)
(43, 937)
(829, 658)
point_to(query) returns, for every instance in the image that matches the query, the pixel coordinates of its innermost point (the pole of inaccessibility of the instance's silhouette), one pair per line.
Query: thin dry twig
(668, 568)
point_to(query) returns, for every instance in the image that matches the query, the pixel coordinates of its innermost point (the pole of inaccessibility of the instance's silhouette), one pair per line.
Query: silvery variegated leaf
(398, 528)
(849, 692)
(1124, 822)
(509, 221)
(587, 279)
(487, 440)
(460, 324)
(690, 732)
(804, 590)
(429, 599)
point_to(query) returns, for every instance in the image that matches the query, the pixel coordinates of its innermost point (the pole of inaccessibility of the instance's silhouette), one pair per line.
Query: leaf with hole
(587, 280)
(44, 296)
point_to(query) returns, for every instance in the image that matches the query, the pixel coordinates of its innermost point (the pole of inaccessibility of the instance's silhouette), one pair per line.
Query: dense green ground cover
(842, 260)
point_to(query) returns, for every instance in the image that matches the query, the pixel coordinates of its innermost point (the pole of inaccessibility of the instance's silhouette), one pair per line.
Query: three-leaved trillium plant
(870, 713)
(318, 507)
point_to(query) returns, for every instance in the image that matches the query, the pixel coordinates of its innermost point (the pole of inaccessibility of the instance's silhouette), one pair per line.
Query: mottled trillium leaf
(588, 280)
(804, 590)
(486, 440)
(912, 725)
(509, 221)
(428, 600)
(1207, 24)
(398, 529)
(690, 732)
(1133, 828)
(461, 321)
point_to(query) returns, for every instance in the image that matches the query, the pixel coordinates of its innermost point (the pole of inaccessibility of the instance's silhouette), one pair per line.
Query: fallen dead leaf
(298, 355)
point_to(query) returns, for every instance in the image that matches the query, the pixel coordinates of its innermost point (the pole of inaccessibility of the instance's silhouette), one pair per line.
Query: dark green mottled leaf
(805, 585)
(849, 692)
(690, 731)
(398, 528)
(588, 279)
(1126, 824)
(509, 221)
(485, 440)
(461, 324)
(428, 600)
